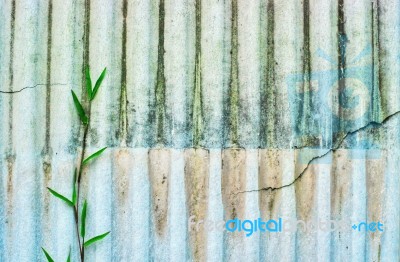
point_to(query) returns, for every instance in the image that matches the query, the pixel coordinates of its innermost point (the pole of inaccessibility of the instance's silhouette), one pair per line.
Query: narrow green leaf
(93, 156)
(69, 255)
(74, 194)
(83, 219)
(69, 202)
(79, 108)
(74, 187)
(98, 82)
(95, 239)
(88, 83)
(49, 259)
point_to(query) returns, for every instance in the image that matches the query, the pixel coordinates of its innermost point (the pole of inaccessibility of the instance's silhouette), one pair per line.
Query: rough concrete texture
(211, 110)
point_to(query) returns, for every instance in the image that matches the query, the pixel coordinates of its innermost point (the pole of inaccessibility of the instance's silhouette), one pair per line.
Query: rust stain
(305, 190)
(197, 163)
(123, 165)
(47, 171)
(45, 218)
(10, 168)
(233, 181)
(159, 172)
(270, 173)
(340, 188)
(375, 192)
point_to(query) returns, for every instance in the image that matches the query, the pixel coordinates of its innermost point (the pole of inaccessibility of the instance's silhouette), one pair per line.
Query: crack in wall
(31, 87)
(333, 149)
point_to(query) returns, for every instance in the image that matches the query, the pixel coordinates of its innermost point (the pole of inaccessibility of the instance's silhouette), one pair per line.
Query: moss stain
(342, 42)
(268, 92)
(197, 108)
(10, 157)
(46, 164)
(160, 82)
(123, 100)
(86, 53)
(48, 76)
(11, 74)
(377, 73)
(233, 92)
(306, 106)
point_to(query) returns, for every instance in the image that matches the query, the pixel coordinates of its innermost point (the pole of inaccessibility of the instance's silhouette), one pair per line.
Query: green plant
(84, 115)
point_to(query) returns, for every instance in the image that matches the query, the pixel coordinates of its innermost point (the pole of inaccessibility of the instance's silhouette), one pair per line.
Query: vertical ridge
(342, 42)
(10, 155)
(233, 92)
(160, 82)
(10, 72)
(304, 125)
(86, 47)
(197, 107)
(48, 76)
(123, 100)
(268, 94)
(46, 152)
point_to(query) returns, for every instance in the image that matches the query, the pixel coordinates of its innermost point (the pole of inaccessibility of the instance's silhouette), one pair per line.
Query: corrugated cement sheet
(205, 103)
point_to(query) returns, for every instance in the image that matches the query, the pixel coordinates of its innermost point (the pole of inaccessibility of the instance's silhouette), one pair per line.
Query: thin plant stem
(85, 133)
(85, 120)
(77, 227)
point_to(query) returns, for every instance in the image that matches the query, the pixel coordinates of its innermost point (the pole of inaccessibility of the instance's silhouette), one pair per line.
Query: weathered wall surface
(205, 102)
